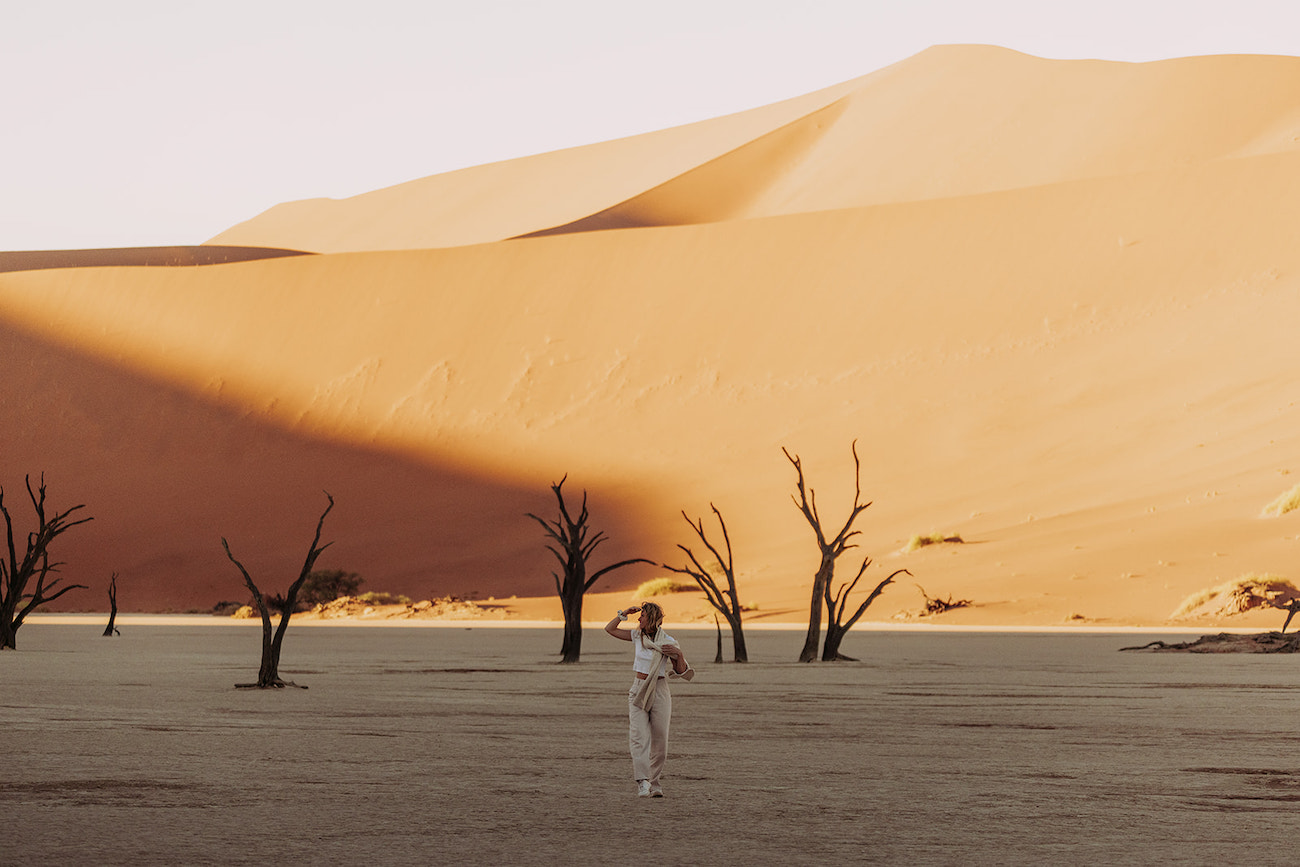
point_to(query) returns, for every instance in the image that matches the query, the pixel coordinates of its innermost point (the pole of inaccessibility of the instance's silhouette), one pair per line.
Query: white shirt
(641, 656)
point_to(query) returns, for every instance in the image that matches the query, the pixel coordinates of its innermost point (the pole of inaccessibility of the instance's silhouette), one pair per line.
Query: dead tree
(110, 630)
(831, 548)
(727, 602)
(573, 549)
(836, 626)
(268, 676)
(16, 574)
(939, 606)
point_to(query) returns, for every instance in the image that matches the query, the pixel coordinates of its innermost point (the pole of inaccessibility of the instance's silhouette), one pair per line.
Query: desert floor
(421, 745)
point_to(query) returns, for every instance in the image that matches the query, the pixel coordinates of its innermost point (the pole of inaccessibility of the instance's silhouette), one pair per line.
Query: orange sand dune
(1081, 364)
(951, 121)
(1089, 382)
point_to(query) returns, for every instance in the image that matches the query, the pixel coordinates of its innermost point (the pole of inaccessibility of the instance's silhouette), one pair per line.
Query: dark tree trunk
(571, 647)
(821, 581)
(110, 630)
(268, 675)
(831, 649)
(739, 652)
(836, 626)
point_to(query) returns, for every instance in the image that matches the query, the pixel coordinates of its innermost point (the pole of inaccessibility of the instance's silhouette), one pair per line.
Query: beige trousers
(648, 733)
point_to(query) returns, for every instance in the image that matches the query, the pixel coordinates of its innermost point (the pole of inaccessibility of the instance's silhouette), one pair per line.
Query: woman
(649, 702)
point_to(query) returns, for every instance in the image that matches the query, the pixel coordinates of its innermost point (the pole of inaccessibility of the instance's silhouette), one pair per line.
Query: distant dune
(951, 121)
(1053, 302)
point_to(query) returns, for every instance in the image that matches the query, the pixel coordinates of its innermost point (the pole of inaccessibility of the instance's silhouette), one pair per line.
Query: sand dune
(505, 199)
(1061, 329)
(951, 121)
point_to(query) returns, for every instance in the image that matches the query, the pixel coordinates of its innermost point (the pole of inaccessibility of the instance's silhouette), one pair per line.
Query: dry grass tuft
(371, 597)
(1285, 503)
(920, 541)
(1235, 597)
(661, 587)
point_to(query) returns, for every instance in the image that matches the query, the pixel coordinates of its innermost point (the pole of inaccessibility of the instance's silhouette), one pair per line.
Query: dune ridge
(1077, 357)
(502, 200)
(171, 257)
(723, 188)
(950, 121)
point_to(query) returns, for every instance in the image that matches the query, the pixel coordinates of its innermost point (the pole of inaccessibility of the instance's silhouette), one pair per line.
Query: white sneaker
(642, 788)
(656, 792)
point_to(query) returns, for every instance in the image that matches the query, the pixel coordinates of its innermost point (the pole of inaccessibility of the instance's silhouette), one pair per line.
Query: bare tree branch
(726, 602)
(16, 573)
(618, 565)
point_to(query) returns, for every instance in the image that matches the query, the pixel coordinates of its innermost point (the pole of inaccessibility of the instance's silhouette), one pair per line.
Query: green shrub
(326, 586)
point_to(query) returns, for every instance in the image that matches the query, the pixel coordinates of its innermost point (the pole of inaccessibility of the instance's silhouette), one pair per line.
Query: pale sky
(144, 122)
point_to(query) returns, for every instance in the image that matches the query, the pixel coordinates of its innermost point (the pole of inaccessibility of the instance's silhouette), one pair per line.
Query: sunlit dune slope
(515, 197)
(951, 121)
(1091, 382)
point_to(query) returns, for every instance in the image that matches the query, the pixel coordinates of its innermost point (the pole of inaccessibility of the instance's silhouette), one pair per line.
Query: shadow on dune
(166, 474)
(724, 188)
(39, 260)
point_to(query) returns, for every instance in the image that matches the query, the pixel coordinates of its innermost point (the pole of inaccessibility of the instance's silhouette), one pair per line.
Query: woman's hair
(655, 616)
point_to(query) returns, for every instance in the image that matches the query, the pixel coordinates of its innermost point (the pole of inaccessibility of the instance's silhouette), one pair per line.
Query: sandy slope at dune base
(461, 745)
